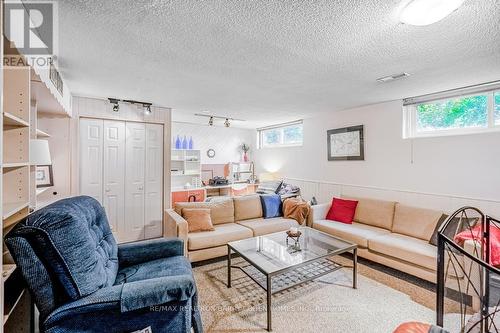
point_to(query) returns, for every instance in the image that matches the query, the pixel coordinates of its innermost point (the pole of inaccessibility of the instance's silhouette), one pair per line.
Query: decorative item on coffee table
(294, 234)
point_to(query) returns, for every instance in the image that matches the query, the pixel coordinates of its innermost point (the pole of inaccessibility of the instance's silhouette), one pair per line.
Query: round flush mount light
(425, 12)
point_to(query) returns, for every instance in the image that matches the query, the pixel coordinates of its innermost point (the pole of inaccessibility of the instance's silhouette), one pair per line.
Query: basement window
(497, 108)
(283, 135)
(464, 111)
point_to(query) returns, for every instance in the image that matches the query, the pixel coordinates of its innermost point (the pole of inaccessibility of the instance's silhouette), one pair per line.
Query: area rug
(328, 304)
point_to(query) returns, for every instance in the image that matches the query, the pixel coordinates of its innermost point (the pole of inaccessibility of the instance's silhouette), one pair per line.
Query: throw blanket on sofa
(297, 209)
(475, 234)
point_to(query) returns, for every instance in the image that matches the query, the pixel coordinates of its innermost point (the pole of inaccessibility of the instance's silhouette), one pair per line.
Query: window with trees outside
(497, 108)
(284, 135)
(456, 115)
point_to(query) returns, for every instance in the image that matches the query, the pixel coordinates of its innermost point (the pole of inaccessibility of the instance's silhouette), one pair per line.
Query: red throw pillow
(342, 210)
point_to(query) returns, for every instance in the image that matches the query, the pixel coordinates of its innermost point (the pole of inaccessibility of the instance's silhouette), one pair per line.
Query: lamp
(40, 152)
(425, 12)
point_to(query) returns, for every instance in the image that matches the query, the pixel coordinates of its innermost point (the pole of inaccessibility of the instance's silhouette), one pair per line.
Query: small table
(276, 266)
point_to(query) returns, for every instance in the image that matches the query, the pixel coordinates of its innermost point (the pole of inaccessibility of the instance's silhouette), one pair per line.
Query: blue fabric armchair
(82, 281)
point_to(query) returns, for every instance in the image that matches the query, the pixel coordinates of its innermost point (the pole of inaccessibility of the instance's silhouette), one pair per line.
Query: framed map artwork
(346, 144)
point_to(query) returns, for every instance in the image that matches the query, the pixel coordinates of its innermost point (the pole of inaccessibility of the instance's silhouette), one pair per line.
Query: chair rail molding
(324, 190)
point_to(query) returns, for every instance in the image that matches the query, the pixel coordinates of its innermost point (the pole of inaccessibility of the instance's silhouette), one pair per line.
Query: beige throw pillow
(198, 219)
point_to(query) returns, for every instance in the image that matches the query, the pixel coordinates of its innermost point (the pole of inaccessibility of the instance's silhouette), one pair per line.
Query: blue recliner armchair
(82, 281)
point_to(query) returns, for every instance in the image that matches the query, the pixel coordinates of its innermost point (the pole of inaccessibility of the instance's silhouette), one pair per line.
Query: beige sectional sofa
(389, 233)
(233, 218)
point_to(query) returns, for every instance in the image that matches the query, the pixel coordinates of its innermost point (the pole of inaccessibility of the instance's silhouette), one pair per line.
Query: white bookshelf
(25, 94)
(185, 167)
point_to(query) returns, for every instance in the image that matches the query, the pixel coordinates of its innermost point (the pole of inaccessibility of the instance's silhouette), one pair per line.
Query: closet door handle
(141, 188)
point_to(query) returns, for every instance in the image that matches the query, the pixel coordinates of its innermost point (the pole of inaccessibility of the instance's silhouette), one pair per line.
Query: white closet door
(154, 181)
(114, 176)
(91, 158)
(134, 181)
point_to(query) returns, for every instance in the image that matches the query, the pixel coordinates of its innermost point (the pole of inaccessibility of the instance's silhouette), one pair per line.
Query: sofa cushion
(409, 249)
(357, 232)
(377, 213)
(415, 222)
(222, 234)
(342, 210)
(221, 211)
(271, 205)
(247, 207)
(198, 219)
(267, 226)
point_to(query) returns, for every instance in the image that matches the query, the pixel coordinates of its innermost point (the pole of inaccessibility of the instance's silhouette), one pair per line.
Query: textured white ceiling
(269, 61)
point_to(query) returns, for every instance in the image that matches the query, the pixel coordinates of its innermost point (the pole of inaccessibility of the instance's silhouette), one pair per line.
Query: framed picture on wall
(346, 144)
(44, 176)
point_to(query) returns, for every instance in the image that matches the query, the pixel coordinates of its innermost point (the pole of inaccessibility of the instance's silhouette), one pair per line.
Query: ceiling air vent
(393, 77)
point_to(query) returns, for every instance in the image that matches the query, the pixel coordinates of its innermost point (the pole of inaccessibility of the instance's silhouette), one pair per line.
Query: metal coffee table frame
(314, 268)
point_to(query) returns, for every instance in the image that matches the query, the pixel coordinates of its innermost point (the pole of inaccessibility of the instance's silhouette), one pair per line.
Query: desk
(199, 194)
(230, 190)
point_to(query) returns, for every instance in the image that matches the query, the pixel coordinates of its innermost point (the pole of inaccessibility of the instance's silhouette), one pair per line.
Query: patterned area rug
(328, 304)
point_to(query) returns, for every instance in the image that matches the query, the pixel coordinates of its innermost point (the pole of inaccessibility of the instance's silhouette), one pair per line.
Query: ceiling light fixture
(227, 120)
(147, 108)
(116, 106)
(392, 77)
(425, 12)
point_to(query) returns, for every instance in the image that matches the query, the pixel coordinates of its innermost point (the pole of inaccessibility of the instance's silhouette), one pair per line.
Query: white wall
(466, 166)
(225, 141)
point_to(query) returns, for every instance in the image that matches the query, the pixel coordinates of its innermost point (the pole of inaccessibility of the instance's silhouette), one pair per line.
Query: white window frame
(281, 127)
(410, 129)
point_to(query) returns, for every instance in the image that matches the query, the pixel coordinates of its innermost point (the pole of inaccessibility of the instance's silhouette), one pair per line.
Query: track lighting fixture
(147, 108)
(212, 118)
(116, 106)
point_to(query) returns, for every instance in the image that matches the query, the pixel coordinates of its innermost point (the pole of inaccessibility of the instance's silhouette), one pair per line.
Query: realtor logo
(30, 26)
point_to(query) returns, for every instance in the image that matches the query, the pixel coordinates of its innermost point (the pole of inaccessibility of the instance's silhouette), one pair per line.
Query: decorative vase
(190, 144)
(178, 144)
(245, 157)
(185, 143)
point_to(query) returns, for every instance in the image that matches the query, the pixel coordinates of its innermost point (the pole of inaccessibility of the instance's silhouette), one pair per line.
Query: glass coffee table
(276, 262)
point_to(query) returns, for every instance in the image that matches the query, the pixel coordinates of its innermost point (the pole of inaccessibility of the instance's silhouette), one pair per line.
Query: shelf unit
(16, 180)
(27, 92)
(11, 120)
(185, 167)
(42, 134)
